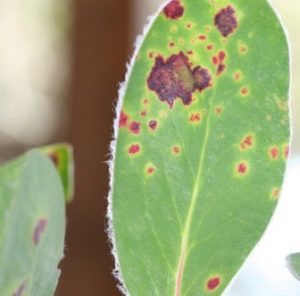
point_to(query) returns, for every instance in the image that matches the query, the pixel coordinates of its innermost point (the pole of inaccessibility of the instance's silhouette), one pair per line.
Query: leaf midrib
(195, 194)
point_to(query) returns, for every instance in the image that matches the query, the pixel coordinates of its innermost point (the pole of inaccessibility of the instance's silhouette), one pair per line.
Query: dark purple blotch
(174, 78)
(225, 21)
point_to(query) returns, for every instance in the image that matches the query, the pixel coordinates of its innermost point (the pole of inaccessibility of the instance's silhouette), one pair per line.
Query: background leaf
(293, 262)
(32, 226)
(202, 142)
(62, 157)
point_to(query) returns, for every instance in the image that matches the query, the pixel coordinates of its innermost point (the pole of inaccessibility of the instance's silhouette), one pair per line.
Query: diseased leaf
(62, 157)
(293, 262)
(202, 141)
(32, 226)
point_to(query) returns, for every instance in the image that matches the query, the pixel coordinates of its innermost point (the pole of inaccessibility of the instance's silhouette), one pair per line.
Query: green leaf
(32, 226)
(293, 262)
(202, 141)
(62, 157)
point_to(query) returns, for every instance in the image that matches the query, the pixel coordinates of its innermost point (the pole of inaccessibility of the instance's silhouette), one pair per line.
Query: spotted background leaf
(293, 262)
(32, 226)
(62, 157)
(202, 138)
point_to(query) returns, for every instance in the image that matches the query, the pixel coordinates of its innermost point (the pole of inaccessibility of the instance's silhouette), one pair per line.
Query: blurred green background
(61, 61)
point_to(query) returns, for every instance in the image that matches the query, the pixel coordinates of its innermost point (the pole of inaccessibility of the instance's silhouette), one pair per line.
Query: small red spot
(134, 149)
(153, 124)
(274, 152)
(135, 127)
(150, 170)
(195, 117)
(243, 49)
(176, 149)
(209, 47)
(244, 91)
(202, 37)
(143, 113)
(286, 151)
(123, 119)
(237, 76)
(190, 52)
(221, 69)
(247, 142)
(218, 110)
(242, 168)
(275, 194)
(213, 283)
(20, 291)
(222, 56)
(146, 102)
(215, 60)
(174, 10)
(38, 231)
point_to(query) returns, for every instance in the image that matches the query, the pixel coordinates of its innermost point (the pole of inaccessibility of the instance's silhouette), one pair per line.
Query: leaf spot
(218, 110)
(244, 91)
(174, 78)
(135, 127)
(286, 151)
(176, 150)
(247, 142)
(174, 10)
(274, 152)
(134, 149)
(202, 37)
(38, 231)
(123, 121)
(242, 168)
(213, 283)
(210, 47)
(275, 193)
(225, 21)
(153, 124)
(195, 117)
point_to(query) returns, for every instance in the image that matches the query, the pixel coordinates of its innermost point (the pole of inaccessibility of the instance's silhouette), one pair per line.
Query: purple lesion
(174, 10)
(226, 21)
(38, 231)
(174, 78)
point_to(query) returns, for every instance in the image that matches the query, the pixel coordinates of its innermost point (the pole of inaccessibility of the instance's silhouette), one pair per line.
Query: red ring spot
(176, 150)
(247, 142)
(202, 37)
(150, 170)
(274, 152)
(244, 91)
(286, 151)
(134, 149)
(218, 110)
(123, 119)
(135, 127)
(195, 117)
(213, 283)
(153, 124)
(242, 168)
(237, 76)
